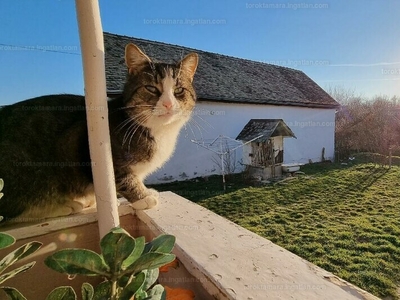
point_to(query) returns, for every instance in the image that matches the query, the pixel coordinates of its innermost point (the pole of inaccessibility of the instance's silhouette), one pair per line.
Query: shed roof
(260, 130)
(222, 78)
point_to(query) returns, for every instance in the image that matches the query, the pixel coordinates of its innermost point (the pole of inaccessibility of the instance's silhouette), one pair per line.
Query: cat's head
(158, 94)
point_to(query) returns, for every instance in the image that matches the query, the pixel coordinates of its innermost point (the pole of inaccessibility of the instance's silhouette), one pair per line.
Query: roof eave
(272, 102)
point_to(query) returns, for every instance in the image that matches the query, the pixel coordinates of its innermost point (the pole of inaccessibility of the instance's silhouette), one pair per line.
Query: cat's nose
(167, 104)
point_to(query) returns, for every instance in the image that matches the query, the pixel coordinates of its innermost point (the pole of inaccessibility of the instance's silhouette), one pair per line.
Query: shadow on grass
(372, 175)
(202, 188)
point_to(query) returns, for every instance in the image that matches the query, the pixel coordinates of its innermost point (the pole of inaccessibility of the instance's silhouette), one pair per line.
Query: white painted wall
(313, 127)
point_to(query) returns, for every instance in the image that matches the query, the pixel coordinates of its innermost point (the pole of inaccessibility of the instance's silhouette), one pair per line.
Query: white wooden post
(92, 48)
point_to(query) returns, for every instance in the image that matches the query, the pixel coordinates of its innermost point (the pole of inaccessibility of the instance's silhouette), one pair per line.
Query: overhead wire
(36, 48)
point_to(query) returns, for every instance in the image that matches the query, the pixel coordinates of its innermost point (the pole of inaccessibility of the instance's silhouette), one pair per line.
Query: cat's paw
(85, 201)
(69, 208)
(149, 201)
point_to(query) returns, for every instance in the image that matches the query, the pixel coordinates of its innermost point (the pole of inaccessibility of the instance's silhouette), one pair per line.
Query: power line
(49, 48)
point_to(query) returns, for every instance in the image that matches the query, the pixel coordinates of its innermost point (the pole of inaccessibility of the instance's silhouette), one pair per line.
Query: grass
(345, 219)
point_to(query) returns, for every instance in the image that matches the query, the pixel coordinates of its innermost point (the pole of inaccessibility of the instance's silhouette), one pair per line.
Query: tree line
(366, 125)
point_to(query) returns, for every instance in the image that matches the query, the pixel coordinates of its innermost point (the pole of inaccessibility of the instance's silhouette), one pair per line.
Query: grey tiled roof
(222, 78)
(262, 129)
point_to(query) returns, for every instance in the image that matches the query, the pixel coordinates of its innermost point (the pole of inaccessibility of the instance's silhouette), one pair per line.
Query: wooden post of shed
(92, 47)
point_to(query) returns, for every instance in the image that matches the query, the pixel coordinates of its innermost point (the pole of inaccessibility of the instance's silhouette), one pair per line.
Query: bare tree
(366, 125)
(342, 95)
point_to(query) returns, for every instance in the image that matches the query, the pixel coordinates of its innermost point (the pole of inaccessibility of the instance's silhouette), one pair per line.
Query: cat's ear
(188, 65)
(135, 59)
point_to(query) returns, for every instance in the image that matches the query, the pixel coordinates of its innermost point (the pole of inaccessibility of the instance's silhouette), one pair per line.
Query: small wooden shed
(264, 154)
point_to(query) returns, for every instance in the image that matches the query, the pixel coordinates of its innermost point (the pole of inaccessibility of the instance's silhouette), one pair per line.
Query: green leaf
(135, 254)
(130, 290)
(116, 246)
(157, 293)
(6, 240)
(163, 243)
(102, 291)
(12, 293)
(16, 271)
(18, 254)
(141, 295)
(87, 291)
(62, 293)
(123, 280)
(149, 261)
(77, 261)
(151, 278)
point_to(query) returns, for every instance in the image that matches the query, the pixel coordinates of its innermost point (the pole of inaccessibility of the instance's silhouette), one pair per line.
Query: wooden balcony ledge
(218, 259)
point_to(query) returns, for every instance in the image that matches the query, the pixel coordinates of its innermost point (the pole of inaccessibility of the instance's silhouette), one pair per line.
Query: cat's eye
(178, 90)
(152, 89)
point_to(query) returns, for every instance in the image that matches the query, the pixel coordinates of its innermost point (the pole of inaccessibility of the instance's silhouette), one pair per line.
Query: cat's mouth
(165, 117)
(166, 113)
(170, 116)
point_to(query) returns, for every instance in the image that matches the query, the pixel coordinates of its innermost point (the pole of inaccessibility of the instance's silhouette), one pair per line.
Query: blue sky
(354, 44)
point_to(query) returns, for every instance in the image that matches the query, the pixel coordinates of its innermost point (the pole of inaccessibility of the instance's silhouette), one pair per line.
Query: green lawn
(345, 219)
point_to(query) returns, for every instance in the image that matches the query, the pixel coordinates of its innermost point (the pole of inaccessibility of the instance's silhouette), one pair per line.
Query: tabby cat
(44, 151)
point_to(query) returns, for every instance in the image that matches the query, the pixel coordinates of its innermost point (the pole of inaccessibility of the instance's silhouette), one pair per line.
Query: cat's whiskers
(132, 128)
(143, 119)
(123, 124)
(128, 120)
(192, 122)
(206, 122)
(138, 121)
(135, 122)
(127, 132)
(143, 129)
(197, 126)
(191, 129)
(209, 126)
(130, 107)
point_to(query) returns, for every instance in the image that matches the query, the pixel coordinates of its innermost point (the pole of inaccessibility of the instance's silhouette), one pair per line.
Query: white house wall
(313, 127)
